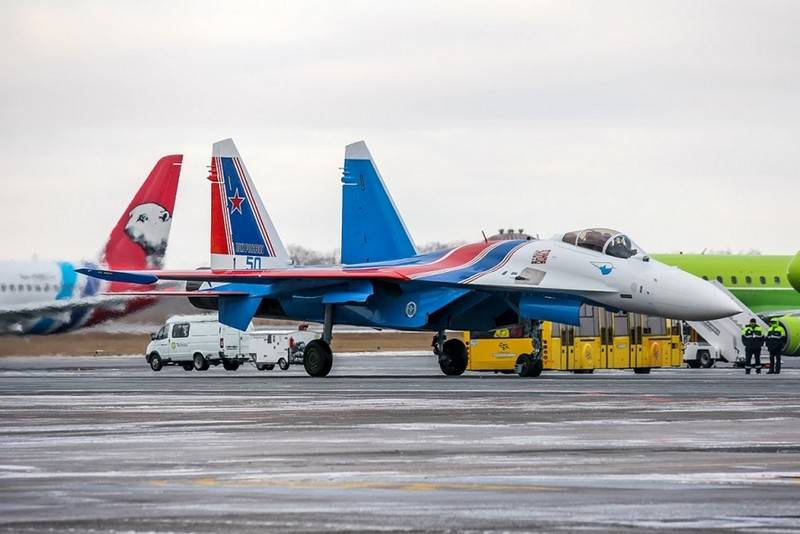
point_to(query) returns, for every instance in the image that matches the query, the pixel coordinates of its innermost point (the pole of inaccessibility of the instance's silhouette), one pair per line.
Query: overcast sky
(676, 122)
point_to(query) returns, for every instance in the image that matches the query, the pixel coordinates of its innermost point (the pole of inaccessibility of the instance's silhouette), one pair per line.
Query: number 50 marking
(253, 262)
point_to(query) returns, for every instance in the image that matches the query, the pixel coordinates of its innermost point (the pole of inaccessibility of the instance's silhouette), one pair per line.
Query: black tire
(537, 366)
(200, 362)
(265, 366)
(705, 359)
(693, 364)
(230, 365)
(527, 367)
(188, 366)
(642, 370)
(453, 359)
(283, 364)
(155, 362)
(317, 358)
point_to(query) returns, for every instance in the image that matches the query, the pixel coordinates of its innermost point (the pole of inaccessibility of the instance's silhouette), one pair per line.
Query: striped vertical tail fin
(242, 233)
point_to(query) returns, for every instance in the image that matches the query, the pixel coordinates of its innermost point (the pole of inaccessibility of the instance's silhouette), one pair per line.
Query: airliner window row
(747, 280)
(25, 287)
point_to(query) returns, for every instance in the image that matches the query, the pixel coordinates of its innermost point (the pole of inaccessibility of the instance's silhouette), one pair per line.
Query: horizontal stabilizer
(254, 278)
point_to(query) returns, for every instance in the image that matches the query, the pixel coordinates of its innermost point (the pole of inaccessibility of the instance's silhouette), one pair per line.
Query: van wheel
(230, 365)
(265, 366)
(705, 359)
(155, 362)
(642, 370)
(693, 364)
(188, 366)
(453, 359)
(200, 362)
(317, 358)
(283, 364)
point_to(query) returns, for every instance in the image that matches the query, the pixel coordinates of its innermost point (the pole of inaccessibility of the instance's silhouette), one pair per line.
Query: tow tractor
(283, 349)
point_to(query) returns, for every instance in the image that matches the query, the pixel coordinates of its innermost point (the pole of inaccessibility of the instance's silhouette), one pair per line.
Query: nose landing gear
(531, 365)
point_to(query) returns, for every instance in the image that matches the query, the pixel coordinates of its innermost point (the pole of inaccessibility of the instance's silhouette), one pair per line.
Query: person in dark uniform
(753, 339)
(776, 340)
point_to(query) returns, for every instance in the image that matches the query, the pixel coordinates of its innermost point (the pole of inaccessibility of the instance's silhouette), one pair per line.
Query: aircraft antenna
(485, 240)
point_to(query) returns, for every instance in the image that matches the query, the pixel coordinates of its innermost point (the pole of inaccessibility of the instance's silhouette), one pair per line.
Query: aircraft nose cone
(716, 304)
(689, 298)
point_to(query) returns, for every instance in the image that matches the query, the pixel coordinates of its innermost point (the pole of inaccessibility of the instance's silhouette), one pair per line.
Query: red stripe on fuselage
(458, 258)
(496, 267)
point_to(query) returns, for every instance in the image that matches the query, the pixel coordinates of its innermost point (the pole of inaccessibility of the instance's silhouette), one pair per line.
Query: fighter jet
(478, 286)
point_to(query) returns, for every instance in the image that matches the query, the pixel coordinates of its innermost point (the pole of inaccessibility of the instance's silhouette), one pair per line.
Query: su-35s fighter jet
(479, 286)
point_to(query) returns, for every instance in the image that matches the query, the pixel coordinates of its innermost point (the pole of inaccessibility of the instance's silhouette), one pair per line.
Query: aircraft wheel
(230, 365)
(200, 362)
(705, 359)
(155, 362)
(283, 364)
(527, 367)
(317, 358)
(642, 370)
(188, 366)
(453, 360)
(537, 366)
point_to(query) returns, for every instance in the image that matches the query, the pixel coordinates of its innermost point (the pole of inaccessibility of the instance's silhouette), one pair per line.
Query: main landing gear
(452, 354)
(317, 356)
(531, 365)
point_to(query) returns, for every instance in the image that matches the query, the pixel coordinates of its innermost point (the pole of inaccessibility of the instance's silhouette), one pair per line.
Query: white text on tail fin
(242, 234)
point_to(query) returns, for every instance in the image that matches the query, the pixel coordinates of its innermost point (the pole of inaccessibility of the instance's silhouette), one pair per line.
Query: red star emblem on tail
(236, 202)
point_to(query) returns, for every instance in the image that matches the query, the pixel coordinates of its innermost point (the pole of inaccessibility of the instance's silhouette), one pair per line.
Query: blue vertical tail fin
(372, 228)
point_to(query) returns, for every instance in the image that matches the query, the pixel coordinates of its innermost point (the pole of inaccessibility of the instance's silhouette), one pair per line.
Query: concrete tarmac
(389, 444)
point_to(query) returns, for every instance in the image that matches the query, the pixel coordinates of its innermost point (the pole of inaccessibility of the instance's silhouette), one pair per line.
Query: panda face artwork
(148, 226)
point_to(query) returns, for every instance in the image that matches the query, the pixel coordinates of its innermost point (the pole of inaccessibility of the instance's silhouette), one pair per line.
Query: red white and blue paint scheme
(383, 283)
(47, 297)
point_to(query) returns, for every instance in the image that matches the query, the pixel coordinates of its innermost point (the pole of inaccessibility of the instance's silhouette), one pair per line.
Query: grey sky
(677, 122)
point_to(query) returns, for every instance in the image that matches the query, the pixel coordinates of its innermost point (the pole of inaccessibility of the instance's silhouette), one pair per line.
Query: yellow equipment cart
(604, 340)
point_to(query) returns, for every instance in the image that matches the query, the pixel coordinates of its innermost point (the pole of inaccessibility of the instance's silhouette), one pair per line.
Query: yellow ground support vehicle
(604, 340)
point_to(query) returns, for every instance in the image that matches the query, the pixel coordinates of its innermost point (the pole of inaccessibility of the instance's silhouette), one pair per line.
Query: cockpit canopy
(604, 240)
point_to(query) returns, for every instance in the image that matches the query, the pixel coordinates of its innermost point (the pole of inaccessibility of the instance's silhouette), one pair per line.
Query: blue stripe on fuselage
(492, 259)
(429, 257)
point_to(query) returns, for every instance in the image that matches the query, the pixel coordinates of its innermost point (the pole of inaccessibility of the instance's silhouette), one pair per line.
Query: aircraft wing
(244, 276)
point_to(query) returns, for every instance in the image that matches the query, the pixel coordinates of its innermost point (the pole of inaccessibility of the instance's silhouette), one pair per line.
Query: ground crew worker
(776, 339)
(753, 338)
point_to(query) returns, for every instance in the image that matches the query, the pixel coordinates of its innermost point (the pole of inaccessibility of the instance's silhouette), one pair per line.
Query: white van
(193, 342)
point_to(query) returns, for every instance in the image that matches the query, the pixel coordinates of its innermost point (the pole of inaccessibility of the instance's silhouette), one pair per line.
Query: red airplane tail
(139, 239)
